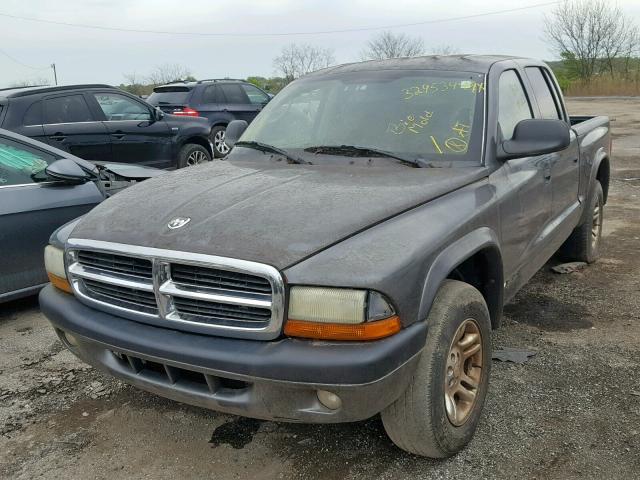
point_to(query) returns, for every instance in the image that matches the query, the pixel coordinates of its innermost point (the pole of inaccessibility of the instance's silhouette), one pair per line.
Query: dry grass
(605, 86)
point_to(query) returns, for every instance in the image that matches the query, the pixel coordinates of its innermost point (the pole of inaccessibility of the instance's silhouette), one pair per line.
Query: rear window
(169, 96)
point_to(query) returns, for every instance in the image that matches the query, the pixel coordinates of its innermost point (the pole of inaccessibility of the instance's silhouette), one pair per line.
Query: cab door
(30, 212)
(526, 203)
(564, 164)
(70, 125)
(237, 102)
(136, 135)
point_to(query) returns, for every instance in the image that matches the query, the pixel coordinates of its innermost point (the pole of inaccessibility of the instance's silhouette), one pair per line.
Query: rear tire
(423, 420)
(583, 244)
(192, 154)
(217, 137)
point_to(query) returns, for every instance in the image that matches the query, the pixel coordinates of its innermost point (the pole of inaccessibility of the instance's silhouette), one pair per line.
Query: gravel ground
(572, 411)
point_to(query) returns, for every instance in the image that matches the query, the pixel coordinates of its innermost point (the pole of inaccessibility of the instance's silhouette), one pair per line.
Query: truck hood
(269, 213)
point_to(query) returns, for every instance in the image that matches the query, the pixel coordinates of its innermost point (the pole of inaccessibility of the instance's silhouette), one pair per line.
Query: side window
(256, 96)
(513, 103)
(234, 93)
(545, 98)
(120, 107)
(213, 94)
(68, 109)
(20, 163)
(33, 115)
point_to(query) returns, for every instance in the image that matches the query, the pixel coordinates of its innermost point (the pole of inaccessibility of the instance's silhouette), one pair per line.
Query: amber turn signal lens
(60, 283)
(340, 331)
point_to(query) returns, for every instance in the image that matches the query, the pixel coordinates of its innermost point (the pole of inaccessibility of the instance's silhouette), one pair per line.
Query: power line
(274, 34)
(20, 63)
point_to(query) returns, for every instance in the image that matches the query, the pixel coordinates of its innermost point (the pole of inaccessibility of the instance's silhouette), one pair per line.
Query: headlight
(54, 265)
(339, 314)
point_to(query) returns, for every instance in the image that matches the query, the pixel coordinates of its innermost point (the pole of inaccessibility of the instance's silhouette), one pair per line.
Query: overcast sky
(92, 55)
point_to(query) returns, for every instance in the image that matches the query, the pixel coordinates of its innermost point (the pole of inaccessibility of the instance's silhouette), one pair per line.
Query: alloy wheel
(218, 142)
(196, 158)
(596, 226)
(463, 372)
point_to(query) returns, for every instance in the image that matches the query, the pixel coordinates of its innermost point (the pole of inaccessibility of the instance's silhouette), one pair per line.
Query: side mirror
(67, 171)
(234, 131)
(535, 136)
(157, 114)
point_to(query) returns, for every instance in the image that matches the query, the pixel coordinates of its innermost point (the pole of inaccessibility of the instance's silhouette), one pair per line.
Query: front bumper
(276, 380)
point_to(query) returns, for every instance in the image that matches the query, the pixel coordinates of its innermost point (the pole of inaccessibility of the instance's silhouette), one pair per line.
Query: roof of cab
(13, 92)
(464, 63)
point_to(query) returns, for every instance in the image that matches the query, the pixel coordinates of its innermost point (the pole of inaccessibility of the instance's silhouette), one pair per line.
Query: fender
(600, 155)
(455, 254)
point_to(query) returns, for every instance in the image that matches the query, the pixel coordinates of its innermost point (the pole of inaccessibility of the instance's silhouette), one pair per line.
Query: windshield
(416, 114)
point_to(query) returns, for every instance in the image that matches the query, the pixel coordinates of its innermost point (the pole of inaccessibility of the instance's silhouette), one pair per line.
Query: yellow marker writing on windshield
(435, 144)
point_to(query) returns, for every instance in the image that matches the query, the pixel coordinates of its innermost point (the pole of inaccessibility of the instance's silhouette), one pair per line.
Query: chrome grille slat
(194, 292)
(123, 294)
(211, 309)
(116, 263)
(218, 279)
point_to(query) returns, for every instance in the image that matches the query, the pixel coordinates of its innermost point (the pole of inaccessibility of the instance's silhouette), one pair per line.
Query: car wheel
(584, 242)
(192, 154)
(220, 149)
(439, 411)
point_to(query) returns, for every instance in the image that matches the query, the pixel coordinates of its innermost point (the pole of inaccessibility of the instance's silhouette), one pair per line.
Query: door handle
(57, 137)
(118, 135)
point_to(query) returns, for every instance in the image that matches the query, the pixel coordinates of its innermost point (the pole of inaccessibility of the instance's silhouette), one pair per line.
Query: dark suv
(104, 123)
(218, 100)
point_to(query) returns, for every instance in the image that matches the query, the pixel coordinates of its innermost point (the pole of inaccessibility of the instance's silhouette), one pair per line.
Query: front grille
(130, 297)
(193, 292)
(218, 279)
(221, 311)
(137, 267)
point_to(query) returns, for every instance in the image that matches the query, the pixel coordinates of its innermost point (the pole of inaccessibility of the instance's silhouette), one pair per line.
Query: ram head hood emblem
(178, 222)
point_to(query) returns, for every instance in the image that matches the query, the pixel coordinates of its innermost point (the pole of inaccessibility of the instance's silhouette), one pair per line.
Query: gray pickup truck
(350, 256)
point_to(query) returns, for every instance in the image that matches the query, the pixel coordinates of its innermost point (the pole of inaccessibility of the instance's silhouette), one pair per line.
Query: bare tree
(590, 32)
(444, 49)
(31, 82)
(392, 45)
(299, 59)
(166, 73)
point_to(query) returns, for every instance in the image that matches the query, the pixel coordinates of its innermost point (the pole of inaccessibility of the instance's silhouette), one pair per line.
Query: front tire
(584, 242)
(192, 154)
(217, 136)
(438, 413)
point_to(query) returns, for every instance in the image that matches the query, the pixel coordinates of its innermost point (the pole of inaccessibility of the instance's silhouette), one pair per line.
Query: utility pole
(55, 75)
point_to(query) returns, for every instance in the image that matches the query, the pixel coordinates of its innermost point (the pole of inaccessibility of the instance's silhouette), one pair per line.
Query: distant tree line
(593, 38)
(595, 41)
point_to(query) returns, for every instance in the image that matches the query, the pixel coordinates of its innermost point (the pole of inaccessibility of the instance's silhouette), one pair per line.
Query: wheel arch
(603, 174)
(475, 259)
(198, 141)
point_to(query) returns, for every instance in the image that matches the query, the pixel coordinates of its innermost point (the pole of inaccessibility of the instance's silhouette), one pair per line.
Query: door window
(213, 94)
(256, 96)
(234, 93)
(33, 115)
(546, 100)
(119, 107)
(21, 164)
(513, 103)
(67, 109)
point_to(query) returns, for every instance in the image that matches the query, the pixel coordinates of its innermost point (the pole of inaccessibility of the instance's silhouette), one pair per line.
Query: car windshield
(412, 114)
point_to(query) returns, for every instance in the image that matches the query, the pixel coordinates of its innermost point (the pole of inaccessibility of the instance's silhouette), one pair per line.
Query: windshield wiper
(263, 147)
(365, 151)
